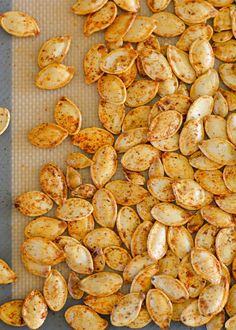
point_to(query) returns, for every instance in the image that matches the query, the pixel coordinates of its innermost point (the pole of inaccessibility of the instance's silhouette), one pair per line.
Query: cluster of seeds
(168, 228)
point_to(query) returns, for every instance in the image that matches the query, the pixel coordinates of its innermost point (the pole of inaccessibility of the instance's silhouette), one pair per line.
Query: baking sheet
(20, 161)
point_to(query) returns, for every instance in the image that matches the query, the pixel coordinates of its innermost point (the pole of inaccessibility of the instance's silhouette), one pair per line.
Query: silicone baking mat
(20, 161)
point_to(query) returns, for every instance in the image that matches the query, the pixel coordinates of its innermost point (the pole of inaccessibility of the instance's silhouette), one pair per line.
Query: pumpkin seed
(195, 223)
(211, 299)
(215, 127)
(83, 317)
(192, 317)
(206, 265)
(178, 102)
(101, 284)
(62, 241)
(92, 138)
(111, 116)
(219, 150)
(119, 28)
(170, 214)
(178, 309)
(179, 61)
(198, 11)
(156, 169)
(157, 5)
(142, 281)
(211, 181)
(227, 74)
(180, 241)
(155, 64)
(169, 264)
(206, 84)
(134, 177)
(222, 20)
(47, 135)
(78, 258)
(137, 117)
(217, 322)
(42, 250)
(127, 309)
(101, 237)
(225, 51)
(217, 217)
(104, 165)
(73, 286)
(116, 257)
(128, 77)
(35, 268)
(141, 92)
(74, 209)
(88, 7)
(168, 86)
(200, 161)
(86, 190)
(191, 135)
(231, 306)
(10, 313)
(113, 62)
(139, 158)
(205, 237)
(200, 108)
(92, 62)
(34, 310)
(221, 107)
(168, 25)
(141, 29)
(55, 290)
(103, 305)
(191, 280)
(142, 320)
(177, 166)
(99, 260)
(101, 19)
(112, 89)
(68, 116)
(157, 241)
(73, 178)
(126, 223)
(172, 287)
(192, 33)
(105, 208)
(135, 265)
(4, 119)
(54, 50)
(222, 36)
(159, 308)
(144, 208)
(230, 323)
(54, 76)
(45, 227)
(227, 203)
(7, 275)
(19, 24)
(229, 177)
(169, 144)
(161, 188)
(78, 160)
(126, 193)
(189, 192)
(131, 138)
(226, 245)
(33, 203)
(201, 56)
(165, 125)
(53, 183)
(129, 5)
(231, 122)
(140, 237)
